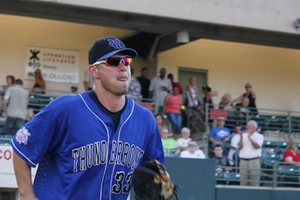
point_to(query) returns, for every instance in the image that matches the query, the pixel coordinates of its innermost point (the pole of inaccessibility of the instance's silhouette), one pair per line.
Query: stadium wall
(276, 15)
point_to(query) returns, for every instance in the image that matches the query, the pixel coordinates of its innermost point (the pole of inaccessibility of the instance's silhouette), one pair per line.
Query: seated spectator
(291, 155)
(226, 105)
(169, 144)
(160, 122)
(183, 142)
(135, 88)
(219, 134)
(222, 163)
(185, 138)
(39, 85)
(192, 151)
(225, 102)
(251, 96)
(243, 110)
(172, 104)
(235, 138)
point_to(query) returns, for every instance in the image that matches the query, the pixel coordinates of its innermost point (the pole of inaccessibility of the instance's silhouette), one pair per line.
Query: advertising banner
(56, 65)
(7, 173)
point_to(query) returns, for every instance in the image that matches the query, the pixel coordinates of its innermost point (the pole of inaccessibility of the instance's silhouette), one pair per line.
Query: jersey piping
(118, 146)
(108, 139)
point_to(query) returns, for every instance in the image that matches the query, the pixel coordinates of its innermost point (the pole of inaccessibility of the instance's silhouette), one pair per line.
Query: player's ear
(94, 71)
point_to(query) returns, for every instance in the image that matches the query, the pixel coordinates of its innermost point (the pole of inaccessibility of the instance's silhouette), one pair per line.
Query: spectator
(74, 89)
(235, 138)
(185, 138)
(172, 108)
(39, 85)
(88, 81)
(207, 100)
(195, 112)
(160, 121)
(222, 163)
(226, 105)
(134, 91)
(169, 144)
(207, 97)
(252, 98)
(145, 83)
(17, 99)
(192, 151)
(291, 155)
(193, 94)
(171, 77)
(159, 88)
(243, 111)
(219, 134)
(10, 81)
(250, 148)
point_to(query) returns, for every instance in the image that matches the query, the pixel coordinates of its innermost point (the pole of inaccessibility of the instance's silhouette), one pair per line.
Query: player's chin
(121, 91)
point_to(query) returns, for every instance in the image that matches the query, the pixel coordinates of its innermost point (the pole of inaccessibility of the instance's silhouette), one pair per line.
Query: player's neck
(110, 101)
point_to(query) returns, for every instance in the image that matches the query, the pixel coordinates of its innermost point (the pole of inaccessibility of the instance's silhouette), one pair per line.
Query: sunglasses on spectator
(115, 61)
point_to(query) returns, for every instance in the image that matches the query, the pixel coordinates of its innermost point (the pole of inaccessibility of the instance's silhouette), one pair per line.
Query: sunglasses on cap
(115, 61)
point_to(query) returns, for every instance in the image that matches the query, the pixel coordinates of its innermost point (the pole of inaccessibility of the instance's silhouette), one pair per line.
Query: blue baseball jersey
(220, 133)
(79, 153)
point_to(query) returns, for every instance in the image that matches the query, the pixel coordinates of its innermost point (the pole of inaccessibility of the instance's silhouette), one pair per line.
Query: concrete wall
(272, 15)
(273, 72)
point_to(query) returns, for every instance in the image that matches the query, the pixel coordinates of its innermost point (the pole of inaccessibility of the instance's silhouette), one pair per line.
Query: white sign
(7, 173)
(56, 65)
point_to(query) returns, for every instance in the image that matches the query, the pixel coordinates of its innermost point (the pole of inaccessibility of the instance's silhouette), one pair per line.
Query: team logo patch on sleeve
(22, 136)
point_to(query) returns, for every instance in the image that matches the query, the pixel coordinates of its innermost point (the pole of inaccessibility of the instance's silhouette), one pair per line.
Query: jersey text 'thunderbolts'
(96, 154)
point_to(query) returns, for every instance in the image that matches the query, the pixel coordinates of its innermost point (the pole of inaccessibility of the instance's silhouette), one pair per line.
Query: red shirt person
(291, 155)
(175, 84)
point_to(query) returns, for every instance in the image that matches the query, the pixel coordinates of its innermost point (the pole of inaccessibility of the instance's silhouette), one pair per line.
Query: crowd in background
(233, 139)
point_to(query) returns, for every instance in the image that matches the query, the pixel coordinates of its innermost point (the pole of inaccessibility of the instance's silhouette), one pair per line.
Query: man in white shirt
(159, 88)
(185, 138)
(192, 151)
(15, 102)
(250, 148)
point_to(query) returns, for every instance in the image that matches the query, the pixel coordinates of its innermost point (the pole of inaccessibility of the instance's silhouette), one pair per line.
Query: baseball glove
(152, 182)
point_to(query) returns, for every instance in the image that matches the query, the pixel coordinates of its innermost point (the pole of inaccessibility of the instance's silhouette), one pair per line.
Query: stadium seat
(232, 178)
(288, 176)
(268, 159)
(270, 144)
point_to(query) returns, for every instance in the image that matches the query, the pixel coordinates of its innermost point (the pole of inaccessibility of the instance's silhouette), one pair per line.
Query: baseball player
(86, 146)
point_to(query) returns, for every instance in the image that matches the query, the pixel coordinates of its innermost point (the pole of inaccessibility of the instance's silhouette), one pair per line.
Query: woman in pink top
(171, 108)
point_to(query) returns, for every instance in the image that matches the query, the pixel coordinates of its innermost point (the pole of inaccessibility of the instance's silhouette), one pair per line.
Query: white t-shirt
(198, 154)
(156, 86)
(183, 142)
(248, 150)
(233, 143)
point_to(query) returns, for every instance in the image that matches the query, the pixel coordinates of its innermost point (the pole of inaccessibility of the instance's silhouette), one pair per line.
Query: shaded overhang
(152, 34)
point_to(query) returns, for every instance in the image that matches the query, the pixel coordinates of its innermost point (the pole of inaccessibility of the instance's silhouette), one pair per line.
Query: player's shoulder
(142, 110)
(65, 101)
